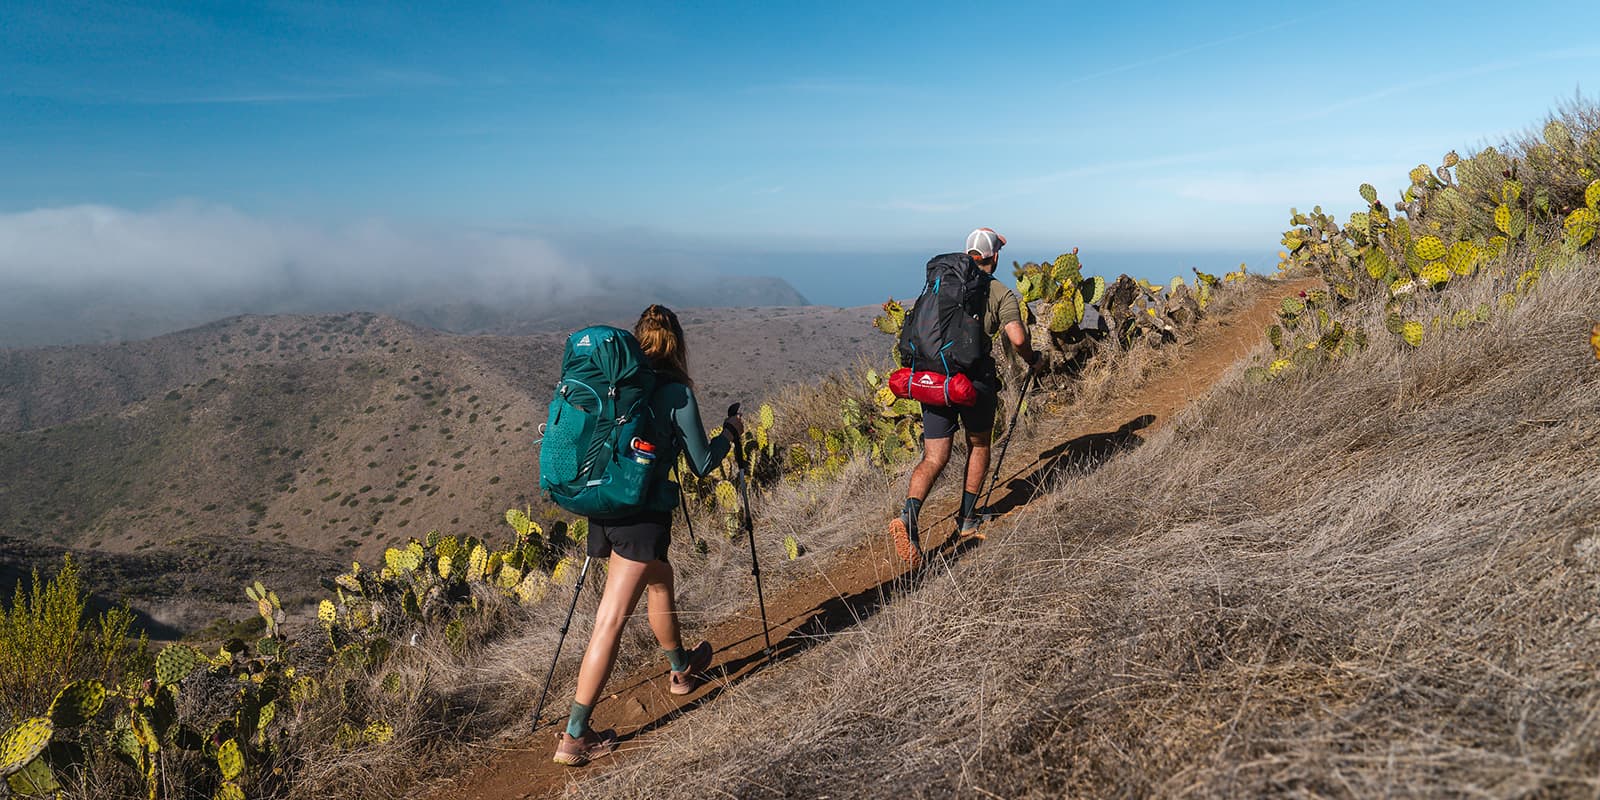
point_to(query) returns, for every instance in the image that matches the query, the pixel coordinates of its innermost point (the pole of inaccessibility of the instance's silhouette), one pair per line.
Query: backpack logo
(926, 379)
(584, 342)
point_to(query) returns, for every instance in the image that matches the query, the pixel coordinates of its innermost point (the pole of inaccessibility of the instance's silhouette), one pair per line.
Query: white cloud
(199, 248)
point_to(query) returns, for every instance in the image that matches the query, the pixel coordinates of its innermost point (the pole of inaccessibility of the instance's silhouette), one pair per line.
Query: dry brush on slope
(1377, 579)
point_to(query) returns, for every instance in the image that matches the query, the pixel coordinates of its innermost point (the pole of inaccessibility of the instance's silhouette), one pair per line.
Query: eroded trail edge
(854, 583)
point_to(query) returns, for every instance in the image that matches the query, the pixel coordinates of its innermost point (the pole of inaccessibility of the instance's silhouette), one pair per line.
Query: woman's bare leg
(625, 581)
(661, 605)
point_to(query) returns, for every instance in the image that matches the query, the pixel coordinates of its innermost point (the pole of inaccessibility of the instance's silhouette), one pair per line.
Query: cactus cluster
(244, 736)
(1450, 223)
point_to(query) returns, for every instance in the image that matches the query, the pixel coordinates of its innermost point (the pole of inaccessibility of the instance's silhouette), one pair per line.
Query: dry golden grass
(459, 707)
(1376, 579)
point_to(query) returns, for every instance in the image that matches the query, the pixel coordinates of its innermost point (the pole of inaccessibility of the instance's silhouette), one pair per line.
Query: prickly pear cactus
(791, 547)
(229, 760)
(1431, 248)
(175, 662)
(727, 497)
(77, 703)
(892, 319)
(519, 522)
(24, 743)
(1580, 226)
(1411, 331)
(566, 572)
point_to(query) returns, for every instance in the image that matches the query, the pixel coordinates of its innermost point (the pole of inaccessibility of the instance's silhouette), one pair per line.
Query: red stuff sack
(933, 388)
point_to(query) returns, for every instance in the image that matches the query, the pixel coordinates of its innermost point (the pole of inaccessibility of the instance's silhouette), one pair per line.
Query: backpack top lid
(961, 269)
(600, 351)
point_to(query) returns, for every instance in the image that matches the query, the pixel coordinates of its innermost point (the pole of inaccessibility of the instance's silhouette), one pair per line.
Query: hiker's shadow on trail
(1075, 456)
(819, 623)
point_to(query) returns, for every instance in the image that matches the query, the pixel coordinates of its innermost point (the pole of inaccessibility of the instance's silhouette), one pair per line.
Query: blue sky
(755, 127)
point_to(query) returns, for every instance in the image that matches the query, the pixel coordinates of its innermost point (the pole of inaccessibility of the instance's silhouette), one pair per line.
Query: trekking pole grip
(738, 441)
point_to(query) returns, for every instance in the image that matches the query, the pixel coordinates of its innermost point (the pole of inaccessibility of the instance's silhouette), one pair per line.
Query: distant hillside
(36, 316)
(333, 436)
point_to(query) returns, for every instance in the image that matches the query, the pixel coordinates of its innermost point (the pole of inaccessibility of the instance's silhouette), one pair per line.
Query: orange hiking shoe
(588, 747)
(903, 533)
(687, 681)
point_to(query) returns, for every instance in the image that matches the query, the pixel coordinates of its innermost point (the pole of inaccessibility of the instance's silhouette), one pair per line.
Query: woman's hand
(733, 427)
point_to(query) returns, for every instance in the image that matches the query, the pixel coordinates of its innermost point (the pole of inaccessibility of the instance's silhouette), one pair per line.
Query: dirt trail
(854, 583)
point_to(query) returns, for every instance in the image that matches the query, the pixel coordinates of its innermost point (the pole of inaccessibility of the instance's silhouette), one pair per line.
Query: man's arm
(1017, 334)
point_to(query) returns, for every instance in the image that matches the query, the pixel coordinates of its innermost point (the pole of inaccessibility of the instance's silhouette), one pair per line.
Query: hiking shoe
(967, 528)
(689, 680)
(903, 532)
(588, 747)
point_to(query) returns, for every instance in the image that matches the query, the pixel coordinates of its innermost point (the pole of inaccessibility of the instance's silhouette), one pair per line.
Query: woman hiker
(636, 546)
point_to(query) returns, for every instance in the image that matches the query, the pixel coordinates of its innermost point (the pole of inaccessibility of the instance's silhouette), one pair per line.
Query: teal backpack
(602, 401)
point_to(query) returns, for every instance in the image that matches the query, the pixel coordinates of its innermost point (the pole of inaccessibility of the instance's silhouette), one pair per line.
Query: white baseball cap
(985, 241)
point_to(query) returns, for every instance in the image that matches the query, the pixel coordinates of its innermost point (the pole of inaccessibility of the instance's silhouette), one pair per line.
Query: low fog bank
(84, 274)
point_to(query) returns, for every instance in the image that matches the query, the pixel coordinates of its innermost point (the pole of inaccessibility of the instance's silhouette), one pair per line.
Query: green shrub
(47, 641)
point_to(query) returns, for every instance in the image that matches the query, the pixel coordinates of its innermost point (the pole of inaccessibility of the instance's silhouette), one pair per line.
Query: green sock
(679, 658)
(969, 504)
(914, 506)
(578, 722)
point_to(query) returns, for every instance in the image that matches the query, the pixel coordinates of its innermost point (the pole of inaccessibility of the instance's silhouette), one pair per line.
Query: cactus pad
(532, 588)
(1369, 194)
(175, 662)
(1502, 218)
(1581, 225)
(727, 497)
(1591, 195)
(1420, 173)
(77, 703)
(1378, 264)
(519, 522)
(566, 572)
(791, 547)
(1067, 313)
(379, 732)
(1278, 366)
(1431, 248)
(477, 563)
(230, 760)
(767, 417)
(1435, 273)
(1463, 258)
(228, 791)
(326, 613)
(24, 743)
(1411, 332)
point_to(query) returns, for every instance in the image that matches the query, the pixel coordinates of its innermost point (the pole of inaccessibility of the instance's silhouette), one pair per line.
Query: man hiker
(1001, 313)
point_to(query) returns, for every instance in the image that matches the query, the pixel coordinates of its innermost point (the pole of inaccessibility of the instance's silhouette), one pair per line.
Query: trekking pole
(1027, 381)
(683, 503)
(748, 524)
(582, 574)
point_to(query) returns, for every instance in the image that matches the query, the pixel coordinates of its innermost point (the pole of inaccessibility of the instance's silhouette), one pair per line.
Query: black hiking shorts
(939, 422)
(643, 537)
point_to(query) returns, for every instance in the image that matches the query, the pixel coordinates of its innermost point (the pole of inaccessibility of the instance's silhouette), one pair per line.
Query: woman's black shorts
(643, 537)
